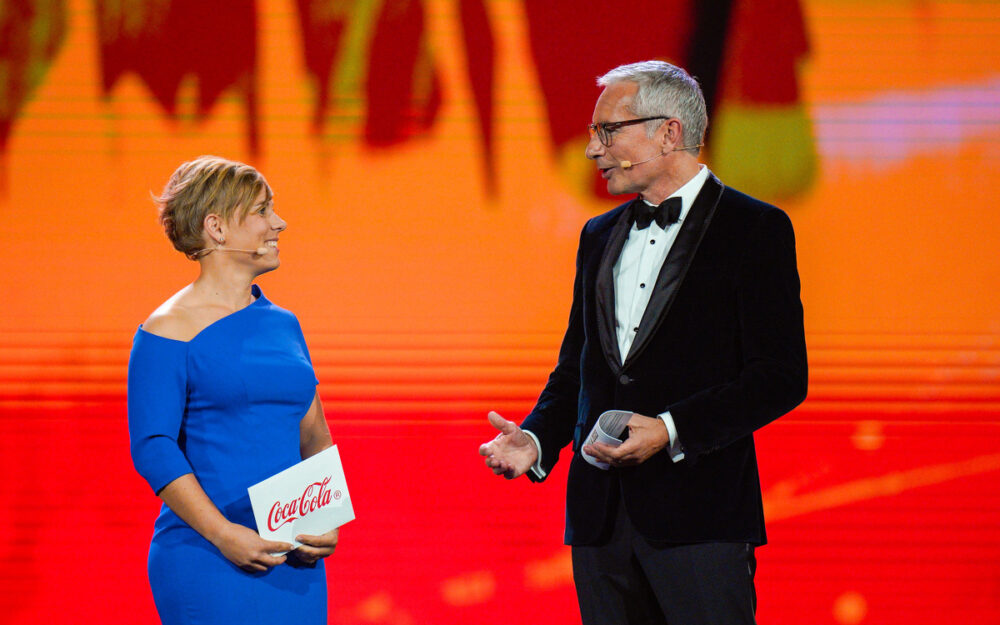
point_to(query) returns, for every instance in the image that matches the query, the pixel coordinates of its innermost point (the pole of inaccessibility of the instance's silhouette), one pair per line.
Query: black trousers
(626, 580)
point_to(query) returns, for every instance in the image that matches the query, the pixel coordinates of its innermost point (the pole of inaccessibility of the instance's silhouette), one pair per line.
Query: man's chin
(616, 189)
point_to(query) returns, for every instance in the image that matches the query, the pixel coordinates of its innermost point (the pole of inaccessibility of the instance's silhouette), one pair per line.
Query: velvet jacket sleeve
(157, 395)
(774, 373)
(553, 419)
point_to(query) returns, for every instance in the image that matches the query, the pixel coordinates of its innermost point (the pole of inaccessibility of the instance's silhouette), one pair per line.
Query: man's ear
(672, 135)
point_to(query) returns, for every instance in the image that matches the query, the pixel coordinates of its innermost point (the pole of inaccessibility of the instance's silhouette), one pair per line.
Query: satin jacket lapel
(676, 264)
(605, 290)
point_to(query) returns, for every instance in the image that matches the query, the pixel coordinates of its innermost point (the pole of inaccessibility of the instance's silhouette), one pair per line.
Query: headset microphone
(260, 251)
(630, 164)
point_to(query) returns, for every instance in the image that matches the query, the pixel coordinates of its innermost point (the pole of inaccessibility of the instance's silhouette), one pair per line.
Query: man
(685, 313)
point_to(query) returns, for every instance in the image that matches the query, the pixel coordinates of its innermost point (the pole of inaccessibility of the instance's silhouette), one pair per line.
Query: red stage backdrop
(428, 157)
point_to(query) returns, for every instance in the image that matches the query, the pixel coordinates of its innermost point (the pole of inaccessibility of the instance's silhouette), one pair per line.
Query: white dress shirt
(635, 275)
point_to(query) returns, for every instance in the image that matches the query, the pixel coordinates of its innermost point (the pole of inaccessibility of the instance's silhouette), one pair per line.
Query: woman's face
(258, 230)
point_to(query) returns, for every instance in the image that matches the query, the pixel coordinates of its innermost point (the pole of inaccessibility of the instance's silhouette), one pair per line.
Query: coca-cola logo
(314, 497)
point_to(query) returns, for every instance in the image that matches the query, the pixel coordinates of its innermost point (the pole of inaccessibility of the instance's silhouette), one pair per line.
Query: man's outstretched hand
(512, 452)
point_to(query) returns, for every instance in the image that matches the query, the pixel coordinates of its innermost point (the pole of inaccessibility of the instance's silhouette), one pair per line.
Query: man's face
(628, 143)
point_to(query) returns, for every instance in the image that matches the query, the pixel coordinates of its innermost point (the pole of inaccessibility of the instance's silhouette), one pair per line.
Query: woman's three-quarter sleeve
(157, 394)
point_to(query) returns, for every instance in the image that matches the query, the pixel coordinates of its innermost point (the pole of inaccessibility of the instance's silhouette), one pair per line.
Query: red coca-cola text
(313, 498)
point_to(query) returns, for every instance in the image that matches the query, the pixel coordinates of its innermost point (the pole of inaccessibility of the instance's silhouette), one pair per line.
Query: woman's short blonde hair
(205, 186)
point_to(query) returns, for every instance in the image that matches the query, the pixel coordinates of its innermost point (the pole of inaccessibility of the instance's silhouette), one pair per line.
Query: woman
(222, 394)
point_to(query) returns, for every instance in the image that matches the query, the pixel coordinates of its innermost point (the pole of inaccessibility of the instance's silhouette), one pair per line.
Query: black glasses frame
(603, 130)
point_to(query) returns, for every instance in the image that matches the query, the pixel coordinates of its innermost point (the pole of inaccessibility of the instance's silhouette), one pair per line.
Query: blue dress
(225, 405)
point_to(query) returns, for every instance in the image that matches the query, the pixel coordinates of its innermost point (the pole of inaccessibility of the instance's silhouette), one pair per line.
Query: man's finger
(505, 426)
(626, 452)
(607, 451)
(613, 455)
(594, 451)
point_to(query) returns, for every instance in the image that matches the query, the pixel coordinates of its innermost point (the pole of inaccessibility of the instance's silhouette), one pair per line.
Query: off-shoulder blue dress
(226, 406)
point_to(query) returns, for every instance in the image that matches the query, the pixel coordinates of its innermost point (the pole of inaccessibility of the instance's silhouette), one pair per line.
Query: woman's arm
(314, 433)
(241, 545)
(315, 437)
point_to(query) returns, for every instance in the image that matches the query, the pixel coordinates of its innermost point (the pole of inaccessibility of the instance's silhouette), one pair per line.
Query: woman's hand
(314, 548)
(241, 545)
(246, 549)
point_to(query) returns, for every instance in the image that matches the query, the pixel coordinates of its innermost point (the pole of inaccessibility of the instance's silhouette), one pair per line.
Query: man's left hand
(314, 548)
(646, 436)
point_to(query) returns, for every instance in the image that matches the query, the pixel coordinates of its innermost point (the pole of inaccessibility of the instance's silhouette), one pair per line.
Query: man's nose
(594, 147)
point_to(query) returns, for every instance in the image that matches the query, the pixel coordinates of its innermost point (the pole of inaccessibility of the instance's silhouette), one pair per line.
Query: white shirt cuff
(675, 449)
(536, 469)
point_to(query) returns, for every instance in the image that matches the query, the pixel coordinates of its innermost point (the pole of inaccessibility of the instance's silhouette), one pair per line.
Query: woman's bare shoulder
(177, 318)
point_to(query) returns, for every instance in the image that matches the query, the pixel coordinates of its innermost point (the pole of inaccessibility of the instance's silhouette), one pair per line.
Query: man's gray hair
(664, 89)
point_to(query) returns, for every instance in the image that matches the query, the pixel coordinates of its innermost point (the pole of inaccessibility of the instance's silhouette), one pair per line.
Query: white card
(310, 497)
(608, 430)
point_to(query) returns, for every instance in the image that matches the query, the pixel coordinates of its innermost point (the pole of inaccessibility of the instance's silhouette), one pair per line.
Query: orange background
(427, 301)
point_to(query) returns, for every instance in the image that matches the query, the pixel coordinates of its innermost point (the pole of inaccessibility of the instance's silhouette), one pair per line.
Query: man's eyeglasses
(603, 130)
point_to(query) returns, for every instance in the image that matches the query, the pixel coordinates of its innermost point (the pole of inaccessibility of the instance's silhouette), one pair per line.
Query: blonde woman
(222, 394)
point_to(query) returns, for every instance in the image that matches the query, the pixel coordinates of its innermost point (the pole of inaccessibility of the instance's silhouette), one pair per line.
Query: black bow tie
(669, 212)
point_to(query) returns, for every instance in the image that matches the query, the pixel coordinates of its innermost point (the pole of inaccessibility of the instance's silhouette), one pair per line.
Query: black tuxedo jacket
(721, 346)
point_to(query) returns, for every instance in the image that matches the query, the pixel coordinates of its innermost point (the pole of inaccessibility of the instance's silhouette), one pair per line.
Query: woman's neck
(229, 289)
